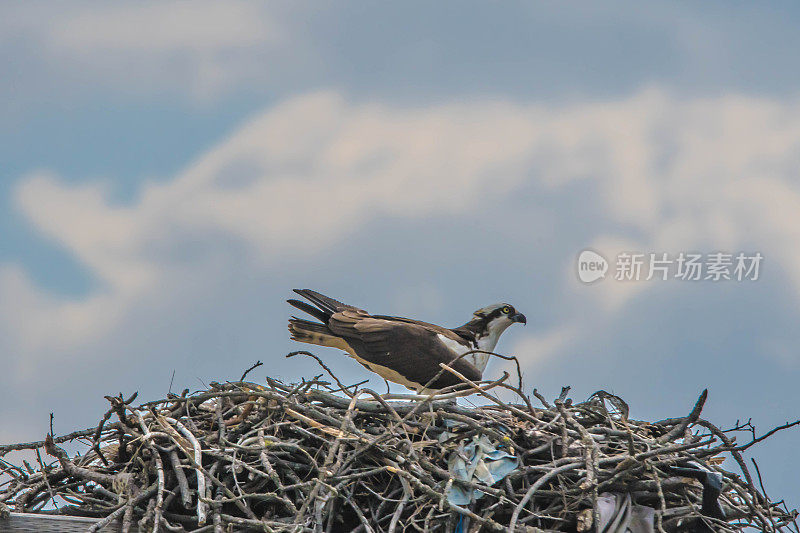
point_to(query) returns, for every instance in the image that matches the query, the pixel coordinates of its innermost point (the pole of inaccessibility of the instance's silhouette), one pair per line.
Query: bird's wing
(411, 349)
(453, 334)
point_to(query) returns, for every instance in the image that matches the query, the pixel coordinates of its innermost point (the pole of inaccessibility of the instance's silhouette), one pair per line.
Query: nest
(315, 456)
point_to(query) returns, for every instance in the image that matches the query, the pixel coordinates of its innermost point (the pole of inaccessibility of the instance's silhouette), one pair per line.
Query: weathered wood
(43, 523)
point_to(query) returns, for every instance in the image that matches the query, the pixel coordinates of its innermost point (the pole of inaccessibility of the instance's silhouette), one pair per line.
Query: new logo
(591, 266)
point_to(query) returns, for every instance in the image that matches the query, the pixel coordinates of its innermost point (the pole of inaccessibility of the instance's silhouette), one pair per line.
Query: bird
(403, 350)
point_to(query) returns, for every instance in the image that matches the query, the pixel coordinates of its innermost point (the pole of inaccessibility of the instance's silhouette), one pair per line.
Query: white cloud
(304, 175)
(533, 350)
(36, 325)
(165, 27)
(106, 238)
(200, 49)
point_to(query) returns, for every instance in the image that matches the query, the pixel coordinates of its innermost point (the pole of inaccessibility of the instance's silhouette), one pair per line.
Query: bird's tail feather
(326, 304)
(310, 309)
(315, 333)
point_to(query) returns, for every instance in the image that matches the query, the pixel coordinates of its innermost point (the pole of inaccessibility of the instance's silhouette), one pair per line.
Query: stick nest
(317, 457)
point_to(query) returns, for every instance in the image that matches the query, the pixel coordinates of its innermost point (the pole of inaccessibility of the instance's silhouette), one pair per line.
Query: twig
(255, 365)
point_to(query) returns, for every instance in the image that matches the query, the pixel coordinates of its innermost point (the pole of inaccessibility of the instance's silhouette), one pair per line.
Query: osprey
(403, 350)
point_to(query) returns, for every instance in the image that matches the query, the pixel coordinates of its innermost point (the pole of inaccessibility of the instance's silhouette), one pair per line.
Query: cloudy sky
(170, 171)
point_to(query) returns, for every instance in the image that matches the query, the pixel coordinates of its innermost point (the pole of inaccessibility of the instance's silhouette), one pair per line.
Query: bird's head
(491, 321)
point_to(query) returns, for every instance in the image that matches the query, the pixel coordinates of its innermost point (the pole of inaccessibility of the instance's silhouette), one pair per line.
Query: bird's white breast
(478, 359)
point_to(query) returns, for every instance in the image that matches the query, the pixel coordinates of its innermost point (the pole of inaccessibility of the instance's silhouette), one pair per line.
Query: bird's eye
(507, 310)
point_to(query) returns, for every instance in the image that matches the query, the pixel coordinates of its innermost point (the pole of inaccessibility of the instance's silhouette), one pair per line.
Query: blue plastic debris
(479, 461)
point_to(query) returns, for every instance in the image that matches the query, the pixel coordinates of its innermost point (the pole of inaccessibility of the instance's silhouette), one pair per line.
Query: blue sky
(169, 171)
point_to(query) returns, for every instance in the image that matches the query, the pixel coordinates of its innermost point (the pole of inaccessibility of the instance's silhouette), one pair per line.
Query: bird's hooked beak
(519, 317)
